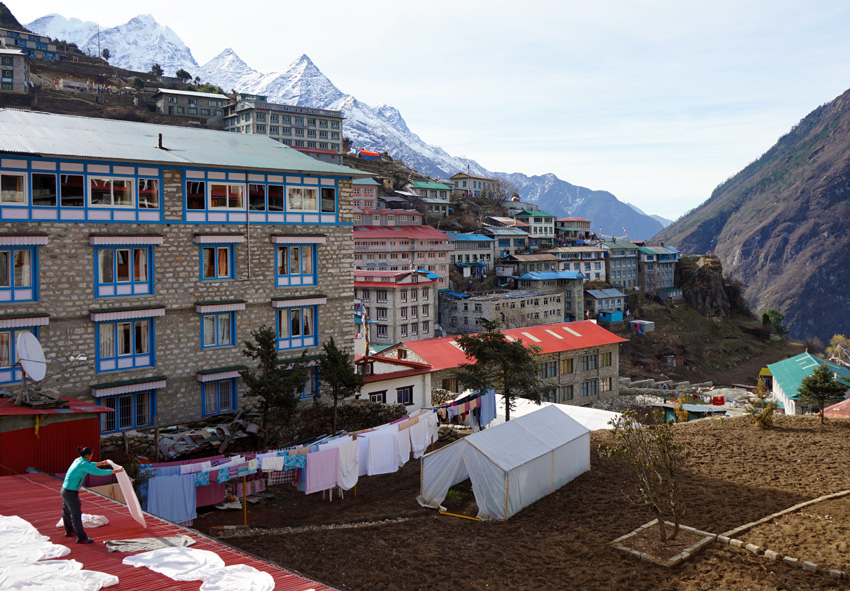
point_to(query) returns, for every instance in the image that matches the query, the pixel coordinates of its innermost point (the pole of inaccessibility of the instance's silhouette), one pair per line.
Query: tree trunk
(335, 397)
(662, 529)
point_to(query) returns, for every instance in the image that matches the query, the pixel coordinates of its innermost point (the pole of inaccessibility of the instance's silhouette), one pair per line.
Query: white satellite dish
(31, 356)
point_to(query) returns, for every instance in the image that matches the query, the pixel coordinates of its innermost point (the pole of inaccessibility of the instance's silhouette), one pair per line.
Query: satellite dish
(31, 356)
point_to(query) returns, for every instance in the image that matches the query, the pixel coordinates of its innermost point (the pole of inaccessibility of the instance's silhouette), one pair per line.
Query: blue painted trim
(217, 315)
(285, 343)
(231, 258)
(233, 397)
(314, 275)
(114, 325)
(97, 284)
(34, 285)
(116, 417)
(13, 337)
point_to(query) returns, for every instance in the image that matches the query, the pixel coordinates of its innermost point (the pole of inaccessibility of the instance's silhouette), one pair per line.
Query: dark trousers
(72, 514)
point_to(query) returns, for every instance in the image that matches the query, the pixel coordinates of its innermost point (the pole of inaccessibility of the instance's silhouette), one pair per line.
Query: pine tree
(336, 371)
(819, 387)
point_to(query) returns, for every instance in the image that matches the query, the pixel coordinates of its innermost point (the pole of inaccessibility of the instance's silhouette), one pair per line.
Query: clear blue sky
(655, 101)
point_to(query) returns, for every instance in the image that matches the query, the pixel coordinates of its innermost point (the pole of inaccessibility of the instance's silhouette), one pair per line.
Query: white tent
(511, 465)
(592, 418)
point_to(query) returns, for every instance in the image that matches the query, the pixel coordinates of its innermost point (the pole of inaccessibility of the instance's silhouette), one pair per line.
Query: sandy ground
(736, 474)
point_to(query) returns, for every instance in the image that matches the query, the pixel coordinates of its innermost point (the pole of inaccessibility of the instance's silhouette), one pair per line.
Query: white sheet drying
(89, 521)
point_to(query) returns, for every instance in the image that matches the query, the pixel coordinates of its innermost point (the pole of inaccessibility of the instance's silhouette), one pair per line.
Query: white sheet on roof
(592, 418)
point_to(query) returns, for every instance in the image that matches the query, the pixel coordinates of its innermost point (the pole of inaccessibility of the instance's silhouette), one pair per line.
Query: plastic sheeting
(592, 418)
(511, 465)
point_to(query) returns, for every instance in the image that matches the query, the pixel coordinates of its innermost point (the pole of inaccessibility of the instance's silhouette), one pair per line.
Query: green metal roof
(128, 382)
(535, 213)
(790, 372)
(427, 185)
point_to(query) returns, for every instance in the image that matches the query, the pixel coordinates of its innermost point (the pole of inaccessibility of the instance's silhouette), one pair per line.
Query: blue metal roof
(469, 237)
(507, 231)
(457, 295)
(605, 293)
(429, 274)
(543, 275)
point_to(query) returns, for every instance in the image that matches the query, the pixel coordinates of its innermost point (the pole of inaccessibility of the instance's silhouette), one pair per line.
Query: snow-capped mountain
(142, 41)
(136, 45)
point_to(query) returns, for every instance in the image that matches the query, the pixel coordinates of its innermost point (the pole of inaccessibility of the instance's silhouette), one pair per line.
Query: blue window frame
(18, 274)
(217, 262)
(218, 397)
(296, 327)
(137, 409)
(218, 330)
(10, 374)
(295, 265)
(311, 386)
(123, 271)
(125, 344)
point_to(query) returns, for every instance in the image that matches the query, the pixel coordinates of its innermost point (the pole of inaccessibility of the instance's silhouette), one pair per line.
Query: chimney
(159, 144)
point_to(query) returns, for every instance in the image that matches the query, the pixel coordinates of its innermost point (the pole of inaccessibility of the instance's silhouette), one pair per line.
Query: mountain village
(151, 225)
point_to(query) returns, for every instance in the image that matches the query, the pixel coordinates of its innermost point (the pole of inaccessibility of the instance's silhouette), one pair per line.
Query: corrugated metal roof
(534, 214)
(469, 237)
(543, 275)
(838, 411)
(410, 232)
(367, 181)
(427, 185)
(444, 353)
(35, 498)
(48, 134)
(789, 373)
(506, 231)
(605, 293)
(72, 406)
(212, 95)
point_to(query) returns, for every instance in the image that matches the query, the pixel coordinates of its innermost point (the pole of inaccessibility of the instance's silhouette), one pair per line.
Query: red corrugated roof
(411, 232)
(8, 408)
(441, 353)
(35, 498)
(838, 411)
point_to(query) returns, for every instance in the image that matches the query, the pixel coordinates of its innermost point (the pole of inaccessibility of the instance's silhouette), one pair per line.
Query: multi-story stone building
(518, 264)
(14, 71)
(400, 305)
(471, 185)
(404, 247)
(364, 193)
(540, 223)
(657, 268)
(578, 361)
(189, 103)
(155, 251)
(315, 132)
(605, 304)
(621, 264)
(387, 217)
(434, 195)
(34, 46)
(568, 283)
(462, 313)
(509, 241)
(472, 248)
(590, 260)
(570, 230)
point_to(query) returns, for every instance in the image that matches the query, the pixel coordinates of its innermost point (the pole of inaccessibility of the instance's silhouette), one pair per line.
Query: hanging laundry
(322, 470)
(349, 461)
(403, 446)
(172, 497)
(383, 454)
(419, 438)
(202, 479)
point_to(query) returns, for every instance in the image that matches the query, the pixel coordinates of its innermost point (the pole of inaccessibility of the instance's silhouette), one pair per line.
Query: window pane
(4, 268)
(107, 340)
(308, 322)
(275, 198)
(307, 261)
(122, 265)
(149, 193)
(224, 396)
(257, 197)
(196, 195)
(209, 331)
(100, 192)
(210, 397)
(5, 349)
(125, 412)
(236, 197)
(71, 190)
(209, 263)
(295, 322)
(143, 408)
(224, 337)
(140, 264)
(142, 337)
(23, 268)
(218, 196)
(109, 417)
(283, 324)
(294, 255)
(223, 262)
(311, 199)
(11, 188)
(122, 192)
(328, 200)
(104, 266)
(295, 198)
(44, 189)
(124, 338)
(282, 260)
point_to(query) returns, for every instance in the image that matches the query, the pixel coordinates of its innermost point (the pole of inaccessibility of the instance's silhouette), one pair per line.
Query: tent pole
(461, 516)
(507, 486)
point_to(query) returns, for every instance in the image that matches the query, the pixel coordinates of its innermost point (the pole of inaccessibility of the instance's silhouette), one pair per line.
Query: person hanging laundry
(72, 512)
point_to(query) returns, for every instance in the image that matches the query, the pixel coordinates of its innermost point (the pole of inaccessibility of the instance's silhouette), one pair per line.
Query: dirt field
(736, 475)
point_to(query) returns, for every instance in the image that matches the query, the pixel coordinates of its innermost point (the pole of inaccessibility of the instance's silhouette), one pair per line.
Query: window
(217, 262)
(381, 331)
(127, 344)
(131, 411)
(123, 271)
(549, 394)
(548, 369)
(403, 293)
(275, 197)
(196, 194)
(381, 313)
(403, 330)
(256, 197)
(425, 294)
(426, 310)
(365, 295)
(218, 397)
(296, 327)
(110, 192)
(588, 362)
(296, 265)
(404, 395)
(605, 384)
(605, 360)
(589, 388)
(13, 188)
(44, 189)
(414, 329)
(8, 355)
(378, 397)
(227, 196)
(566, 392)
(218, 330)
(302, 199)
(328, 200)
(414, 312)
(381, 296)
(18, 275)
(413, 295)
(425, 327)
(148, 193)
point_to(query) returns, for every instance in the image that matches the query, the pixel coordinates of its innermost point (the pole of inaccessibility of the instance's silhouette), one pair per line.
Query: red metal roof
(573, 220)
(35, 498)
(411, 232)
(838, 411)
(444, 353)
(8, 408)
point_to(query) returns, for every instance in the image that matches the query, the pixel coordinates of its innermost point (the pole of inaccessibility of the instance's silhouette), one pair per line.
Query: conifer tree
(336, 371)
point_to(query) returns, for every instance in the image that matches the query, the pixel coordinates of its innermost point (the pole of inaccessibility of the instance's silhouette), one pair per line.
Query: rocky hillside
(780, 225)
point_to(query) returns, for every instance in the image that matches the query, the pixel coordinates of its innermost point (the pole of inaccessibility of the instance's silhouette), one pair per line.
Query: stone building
(621, 264)
(590, 260)
(14, 71)
(578, 361)
(469, 249)
(571, 230)
(462, 313)
(434, 195)
(155, 251)
(403, 246)
(189, 103)
(399, 305)
(657, 268)
(32, 45)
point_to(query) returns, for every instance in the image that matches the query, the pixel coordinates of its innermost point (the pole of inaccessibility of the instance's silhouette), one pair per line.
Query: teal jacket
(77, 472)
